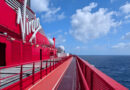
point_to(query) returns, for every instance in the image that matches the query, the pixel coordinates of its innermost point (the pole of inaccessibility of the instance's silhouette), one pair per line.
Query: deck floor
(68, 81)
(50, 81)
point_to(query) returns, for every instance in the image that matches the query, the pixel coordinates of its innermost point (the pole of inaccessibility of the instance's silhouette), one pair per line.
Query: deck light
(37, 45)
(12, 38)
(5, 33)
(24, 41)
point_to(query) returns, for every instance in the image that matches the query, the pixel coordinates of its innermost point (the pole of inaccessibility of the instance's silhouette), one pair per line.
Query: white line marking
(42, 79)
(60, 78)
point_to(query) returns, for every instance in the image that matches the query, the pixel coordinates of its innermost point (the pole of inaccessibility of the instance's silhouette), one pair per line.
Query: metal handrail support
(97, 79)
(33, 73)
(81, 76)
(46, 66)
(28, 75)
(21, 76)
(41, 70)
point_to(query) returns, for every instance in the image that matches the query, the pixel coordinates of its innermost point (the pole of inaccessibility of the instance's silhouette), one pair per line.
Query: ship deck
(58, 78)
(68, 82)
(72, 73)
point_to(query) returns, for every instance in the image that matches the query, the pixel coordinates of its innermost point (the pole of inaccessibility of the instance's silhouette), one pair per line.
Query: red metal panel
(41, 39)
(43, 53)
(27, 53)
(8, 17)
(82, 81)
(16, 52)
(35, 53)
(97, 80)
(46, 51)
(88, 77)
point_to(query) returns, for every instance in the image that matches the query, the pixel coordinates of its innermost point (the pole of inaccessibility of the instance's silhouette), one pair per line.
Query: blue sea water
(117, 67)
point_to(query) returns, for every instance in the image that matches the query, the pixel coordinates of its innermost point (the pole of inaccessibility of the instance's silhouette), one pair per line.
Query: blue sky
(87, 27)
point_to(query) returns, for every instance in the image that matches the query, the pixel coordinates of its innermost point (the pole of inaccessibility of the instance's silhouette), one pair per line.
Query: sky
(86, 27)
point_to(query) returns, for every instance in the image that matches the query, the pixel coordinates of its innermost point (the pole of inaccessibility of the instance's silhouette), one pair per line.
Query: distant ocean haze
(115, 66)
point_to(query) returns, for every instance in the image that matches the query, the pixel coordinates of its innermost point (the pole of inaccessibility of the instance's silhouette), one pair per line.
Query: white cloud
(52, 15)
(61, 16)
(65, 33)
(77, 47)
(59, 35)
(60, 39)
(49, 14)
(113, 1)
(121, 45)
(127, 17)
(125, 8)
(126, 36)
(56, 33)
(90, 25)
(40, 5)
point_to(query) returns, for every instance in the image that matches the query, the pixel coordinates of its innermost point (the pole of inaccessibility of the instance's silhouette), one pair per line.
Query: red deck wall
(8, 17)
(16, 51)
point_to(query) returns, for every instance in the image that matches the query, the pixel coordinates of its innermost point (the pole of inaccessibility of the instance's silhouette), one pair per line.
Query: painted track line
(60, 78)
(50, 81)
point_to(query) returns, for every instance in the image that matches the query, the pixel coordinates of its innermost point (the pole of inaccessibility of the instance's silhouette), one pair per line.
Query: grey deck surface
(68, 81)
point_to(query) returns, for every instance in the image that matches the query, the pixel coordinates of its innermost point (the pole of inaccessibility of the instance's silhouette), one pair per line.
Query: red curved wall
(16, 51)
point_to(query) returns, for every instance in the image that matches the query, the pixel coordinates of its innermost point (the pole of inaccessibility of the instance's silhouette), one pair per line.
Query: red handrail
(23, 81)
(83, 84)
(96, 79)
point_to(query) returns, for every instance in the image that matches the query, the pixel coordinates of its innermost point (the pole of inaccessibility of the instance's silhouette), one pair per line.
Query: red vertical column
(50, 64)
(53, 63)
(54, 41)
(33, 72)
(21, 76)
(46, 67)
(41, 70)
(0, 79)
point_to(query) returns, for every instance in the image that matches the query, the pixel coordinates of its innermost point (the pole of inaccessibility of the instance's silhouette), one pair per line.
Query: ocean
(117, 67)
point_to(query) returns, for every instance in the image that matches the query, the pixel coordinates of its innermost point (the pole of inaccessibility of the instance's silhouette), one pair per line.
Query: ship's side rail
(21, 76)
(81, 80)
(90, 78)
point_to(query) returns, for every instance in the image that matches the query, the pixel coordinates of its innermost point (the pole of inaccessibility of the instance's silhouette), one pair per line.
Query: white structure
(61, 51)
(51, 41)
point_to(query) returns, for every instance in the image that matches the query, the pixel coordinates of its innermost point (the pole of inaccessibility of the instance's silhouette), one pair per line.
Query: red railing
(81, 83)
(90, 78)
(19, 77)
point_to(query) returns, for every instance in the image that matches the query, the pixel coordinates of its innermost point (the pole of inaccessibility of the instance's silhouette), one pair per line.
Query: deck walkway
(68, 81)
(51, 81)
